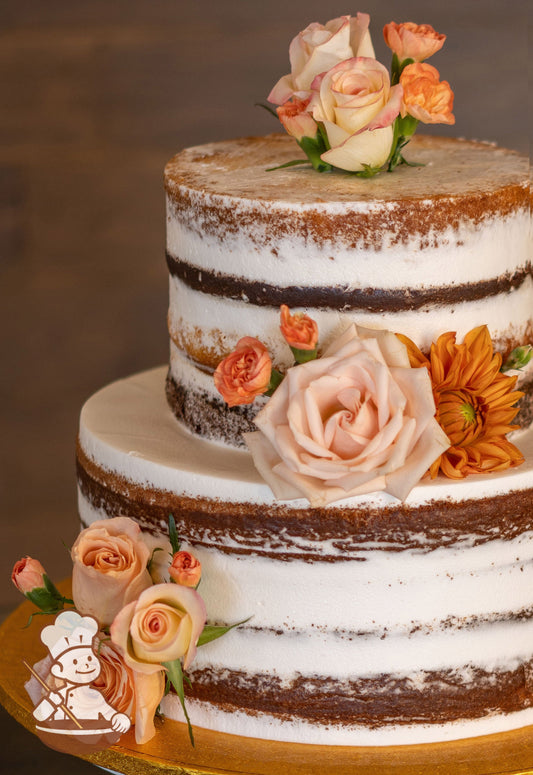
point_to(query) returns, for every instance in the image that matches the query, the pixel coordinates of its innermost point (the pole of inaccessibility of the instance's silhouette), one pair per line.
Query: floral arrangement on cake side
(373, 413)
(142, 592)
(343, 107)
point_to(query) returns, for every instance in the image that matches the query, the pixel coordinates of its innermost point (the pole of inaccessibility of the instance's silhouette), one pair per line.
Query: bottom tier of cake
(373, 622)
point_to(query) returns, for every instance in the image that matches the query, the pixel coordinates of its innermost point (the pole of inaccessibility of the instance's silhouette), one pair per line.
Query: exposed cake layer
(442, 247)
(374, 622)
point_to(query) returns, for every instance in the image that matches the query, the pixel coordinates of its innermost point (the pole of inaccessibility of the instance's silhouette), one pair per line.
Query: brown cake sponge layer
(342, 297)
(431, 698)
(309, 534)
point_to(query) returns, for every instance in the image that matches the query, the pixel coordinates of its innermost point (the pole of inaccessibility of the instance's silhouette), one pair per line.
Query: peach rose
(317, 49)
(357, 420)
(163, 625)
(245, 373)
(28, 574)
(425, 97)
(299, 330)
(115, 681)
(110, 567)
(295, 119)
(185, 569)
(412, 41)
(357, 105)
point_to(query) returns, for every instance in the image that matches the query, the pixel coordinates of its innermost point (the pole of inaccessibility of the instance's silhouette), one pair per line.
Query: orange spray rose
(185, 569)
(412, 41)
(245, 373)
(425, 97)
(299, 330)
(28, 574)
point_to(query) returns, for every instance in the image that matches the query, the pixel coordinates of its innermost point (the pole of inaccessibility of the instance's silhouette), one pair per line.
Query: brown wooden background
(95, 96)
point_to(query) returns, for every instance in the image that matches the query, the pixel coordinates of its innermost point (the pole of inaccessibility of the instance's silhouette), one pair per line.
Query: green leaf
(48, 598)
(213, 631)
(40, 613)
(173, 534)
(394, 70)
(397, 68)
(276, 378)
(368, 171)
(404, 129)
(314, 147)
(175, 675)
(150, 561)
(292, 163)
(268, 108)
(519, 358)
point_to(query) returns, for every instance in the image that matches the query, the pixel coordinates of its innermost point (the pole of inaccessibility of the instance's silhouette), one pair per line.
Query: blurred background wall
(95, 96)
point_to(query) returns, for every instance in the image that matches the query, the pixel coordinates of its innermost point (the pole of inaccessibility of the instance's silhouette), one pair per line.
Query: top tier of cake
(445, 246)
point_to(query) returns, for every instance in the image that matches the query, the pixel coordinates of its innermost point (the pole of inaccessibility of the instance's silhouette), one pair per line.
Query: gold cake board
(170, 752)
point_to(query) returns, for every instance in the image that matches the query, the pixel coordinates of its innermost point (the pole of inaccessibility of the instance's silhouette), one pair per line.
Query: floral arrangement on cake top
(343, 107)
(142, 592)
(373, 413)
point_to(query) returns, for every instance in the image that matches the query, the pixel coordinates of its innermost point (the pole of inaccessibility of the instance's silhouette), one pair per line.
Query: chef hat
(69, 630)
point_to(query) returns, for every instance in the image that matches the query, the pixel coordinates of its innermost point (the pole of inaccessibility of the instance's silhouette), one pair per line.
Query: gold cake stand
(170, 753)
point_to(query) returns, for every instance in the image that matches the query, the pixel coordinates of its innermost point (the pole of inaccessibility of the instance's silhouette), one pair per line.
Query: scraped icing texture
(373, 622)
(425, 250)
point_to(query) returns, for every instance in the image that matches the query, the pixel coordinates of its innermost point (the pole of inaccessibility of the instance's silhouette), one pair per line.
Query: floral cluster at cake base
(372, 413)
(343, 107)
(141, 592)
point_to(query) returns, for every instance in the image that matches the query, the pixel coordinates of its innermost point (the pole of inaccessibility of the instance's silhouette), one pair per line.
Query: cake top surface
(242, 169)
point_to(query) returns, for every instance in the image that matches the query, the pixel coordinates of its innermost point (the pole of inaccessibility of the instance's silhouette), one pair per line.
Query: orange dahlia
(474, 401)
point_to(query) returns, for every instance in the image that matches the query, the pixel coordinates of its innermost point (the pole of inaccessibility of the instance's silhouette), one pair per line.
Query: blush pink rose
(317, 49)
(245, 373)
(185, 569)
(357, 106)
(163, 625)
(110, 560)
(357, 420)
(425, 96)
(27, 575)
(412, 41)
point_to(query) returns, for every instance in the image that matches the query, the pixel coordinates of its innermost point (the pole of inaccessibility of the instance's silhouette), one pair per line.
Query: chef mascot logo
(72, 715)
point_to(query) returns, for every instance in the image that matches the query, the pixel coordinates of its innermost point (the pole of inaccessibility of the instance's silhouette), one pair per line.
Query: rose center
(351, 425)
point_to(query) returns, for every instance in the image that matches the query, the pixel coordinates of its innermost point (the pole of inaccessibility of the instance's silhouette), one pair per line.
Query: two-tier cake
(375, 619)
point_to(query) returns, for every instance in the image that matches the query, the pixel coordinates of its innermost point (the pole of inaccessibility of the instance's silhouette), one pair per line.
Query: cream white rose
(357, 105)
(317, 49)
(164, 624)
(357, 420)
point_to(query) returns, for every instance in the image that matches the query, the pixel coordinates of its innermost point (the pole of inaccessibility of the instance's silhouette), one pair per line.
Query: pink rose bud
(185, 569)
(412, 41)
(245, 373)
(27, 575)
(296, 121)
(299, 330)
